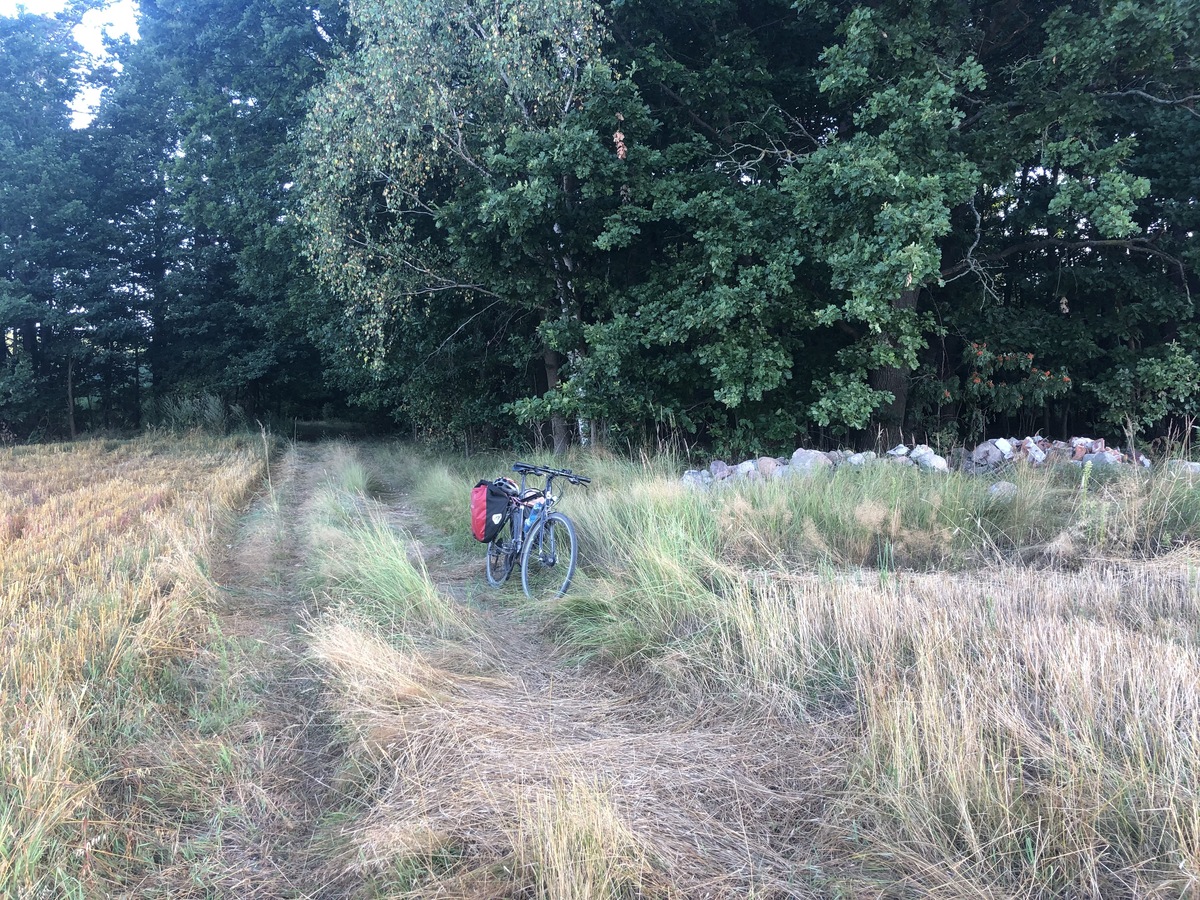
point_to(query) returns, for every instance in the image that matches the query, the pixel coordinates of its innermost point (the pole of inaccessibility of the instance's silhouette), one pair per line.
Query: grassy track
(489, 765)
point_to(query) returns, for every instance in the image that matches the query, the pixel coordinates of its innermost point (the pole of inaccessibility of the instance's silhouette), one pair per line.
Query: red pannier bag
(491, 505)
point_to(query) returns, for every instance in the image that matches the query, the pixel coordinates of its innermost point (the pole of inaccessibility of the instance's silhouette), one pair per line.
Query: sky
(116, 19)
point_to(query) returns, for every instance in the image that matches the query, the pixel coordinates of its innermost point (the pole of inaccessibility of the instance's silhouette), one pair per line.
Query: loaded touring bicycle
(519, 522)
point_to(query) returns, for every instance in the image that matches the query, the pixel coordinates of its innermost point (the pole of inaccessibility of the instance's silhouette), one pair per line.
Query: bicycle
(542, 538)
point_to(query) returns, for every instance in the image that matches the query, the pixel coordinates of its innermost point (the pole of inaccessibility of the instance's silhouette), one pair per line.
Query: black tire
(500, 555)
(548, 558)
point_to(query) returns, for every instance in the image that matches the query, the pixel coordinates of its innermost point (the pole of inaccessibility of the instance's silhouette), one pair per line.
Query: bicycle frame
(521, 509)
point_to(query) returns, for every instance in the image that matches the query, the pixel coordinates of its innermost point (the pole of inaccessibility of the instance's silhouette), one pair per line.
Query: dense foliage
(744, 223)
(752, 220)
(150, 257)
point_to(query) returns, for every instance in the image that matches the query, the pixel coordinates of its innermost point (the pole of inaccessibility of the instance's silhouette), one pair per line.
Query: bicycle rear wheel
(500, 555)
(548, 558)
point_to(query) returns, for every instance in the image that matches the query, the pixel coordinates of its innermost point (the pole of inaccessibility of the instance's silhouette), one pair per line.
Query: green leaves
(1146, 391)
(1108, 203)
(723, 214)
(453, 164)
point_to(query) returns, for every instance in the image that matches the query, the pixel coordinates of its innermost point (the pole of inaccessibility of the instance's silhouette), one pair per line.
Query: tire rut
(286, 742)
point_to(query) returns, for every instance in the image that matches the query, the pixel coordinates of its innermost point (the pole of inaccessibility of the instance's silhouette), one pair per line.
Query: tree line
(746, 224)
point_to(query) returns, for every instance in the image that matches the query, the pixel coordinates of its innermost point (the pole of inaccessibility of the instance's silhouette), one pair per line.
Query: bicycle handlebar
(529, 469)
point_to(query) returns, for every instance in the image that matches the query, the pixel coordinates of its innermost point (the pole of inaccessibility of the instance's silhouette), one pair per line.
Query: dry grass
(571, 841)
(774, 720)
(1034, 734)
(479, 779)
(103, 551)
(1018, 716)
(1017, 732)
(479, 788)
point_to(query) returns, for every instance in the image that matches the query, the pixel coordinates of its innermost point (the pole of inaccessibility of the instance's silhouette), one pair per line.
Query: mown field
(878, 683)
(103, 584)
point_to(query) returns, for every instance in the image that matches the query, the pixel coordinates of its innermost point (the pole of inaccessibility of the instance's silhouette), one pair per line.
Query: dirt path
(287, 758)
(713, 796)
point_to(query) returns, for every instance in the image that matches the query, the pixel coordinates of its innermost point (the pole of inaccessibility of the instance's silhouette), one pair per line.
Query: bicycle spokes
(548, 558)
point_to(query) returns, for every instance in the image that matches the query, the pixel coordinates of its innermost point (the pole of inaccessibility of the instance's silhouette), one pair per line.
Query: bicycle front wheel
(500, 555)
(548, 558)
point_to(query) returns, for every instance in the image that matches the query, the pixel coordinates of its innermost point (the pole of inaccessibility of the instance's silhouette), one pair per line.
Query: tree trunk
(598, 433)
(558, 423)
(71, 396)
(137, 387)
(889, 418)
(29, 337)
(107, 390)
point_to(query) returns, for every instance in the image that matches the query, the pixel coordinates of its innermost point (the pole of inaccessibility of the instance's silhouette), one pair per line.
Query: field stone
(900, 450)
(766, 466)
(987, 455)
(719, 468)
(900, 460)
(934, 463)
(1184, 467)
(809, 460)
(781, 472)
(1003, 491)
(1102, 458)
(926, 458)
(694, 478)
(745, 468)
(860, 459)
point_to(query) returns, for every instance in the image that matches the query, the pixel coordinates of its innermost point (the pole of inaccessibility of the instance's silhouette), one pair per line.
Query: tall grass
(204, 412)
(368, 565)
(365, 562)
(103, 547)
(1032, 731)
(1013, 678)
(570, 841)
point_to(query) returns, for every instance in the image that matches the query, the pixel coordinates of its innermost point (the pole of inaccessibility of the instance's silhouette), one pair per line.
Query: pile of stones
(989, 457)
(1037, 451)
(804, 463)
